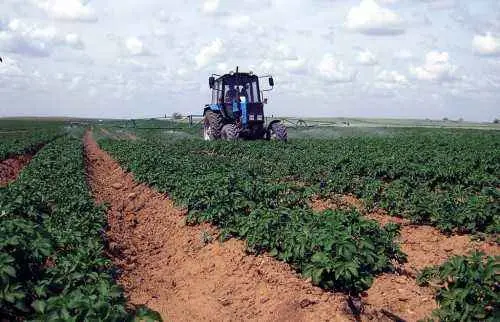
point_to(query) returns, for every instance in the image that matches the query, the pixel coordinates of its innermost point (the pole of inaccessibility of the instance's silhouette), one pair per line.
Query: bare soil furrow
(11, 167)
(424, 245)
(176, 270)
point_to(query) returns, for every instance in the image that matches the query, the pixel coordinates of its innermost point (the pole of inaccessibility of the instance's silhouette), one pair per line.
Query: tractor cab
(237, 101)
(237, 93)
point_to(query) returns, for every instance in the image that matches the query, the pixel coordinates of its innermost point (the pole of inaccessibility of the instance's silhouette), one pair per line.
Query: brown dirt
(174, 269)
(171, 268)
(10, 168)
(424, 245)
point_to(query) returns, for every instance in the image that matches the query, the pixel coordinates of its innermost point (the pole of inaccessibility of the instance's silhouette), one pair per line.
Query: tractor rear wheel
(212, 125)
(278, 132)
(229, 132)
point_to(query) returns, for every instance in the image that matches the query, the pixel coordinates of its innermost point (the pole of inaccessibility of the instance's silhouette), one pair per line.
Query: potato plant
(468, 288)
(447, 178)
(26, 141)
(339, 250)
(52, 260)
(258, 191)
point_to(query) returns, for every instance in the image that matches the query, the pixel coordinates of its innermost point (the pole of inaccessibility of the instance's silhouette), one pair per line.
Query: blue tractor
(237, 109)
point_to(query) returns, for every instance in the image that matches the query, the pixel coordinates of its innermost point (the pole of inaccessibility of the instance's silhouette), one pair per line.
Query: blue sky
(351, 58)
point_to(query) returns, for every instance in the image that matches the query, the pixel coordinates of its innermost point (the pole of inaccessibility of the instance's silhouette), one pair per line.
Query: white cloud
(391, 79)
(265, 67)
(332, 70)
(238, 22)
(73, 40)
(372, 19)
(210, 52)
(77, 10)
(366, 57)
(135, 47)
(132, 64)
(222, 68)
(92, 91)
(210, 6)
(436, 67)
(486, 45)
(33, 40)
(166, 17)
(183, 73)
(440, 4)
(295, 66)
(403, 54)
(283, 51)
(75, 81)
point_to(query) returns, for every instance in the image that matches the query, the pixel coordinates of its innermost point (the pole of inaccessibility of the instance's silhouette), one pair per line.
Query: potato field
(105, 221)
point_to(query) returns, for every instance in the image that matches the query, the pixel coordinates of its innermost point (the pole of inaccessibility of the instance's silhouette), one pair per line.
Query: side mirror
(211, 81)
(271, 81)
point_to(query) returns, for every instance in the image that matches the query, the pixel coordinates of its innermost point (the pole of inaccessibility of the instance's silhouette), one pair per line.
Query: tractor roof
(237, 78)
(237, 75)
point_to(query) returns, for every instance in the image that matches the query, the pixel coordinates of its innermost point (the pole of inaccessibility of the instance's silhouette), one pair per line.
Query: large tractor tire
(278, 132)
(212, 126)
(229, 132)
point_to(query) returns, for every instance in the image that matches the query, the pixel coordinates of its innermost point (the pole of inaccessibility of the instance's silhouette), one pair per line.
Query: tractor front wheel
(278, 132)
(212, 125)
(229, 132)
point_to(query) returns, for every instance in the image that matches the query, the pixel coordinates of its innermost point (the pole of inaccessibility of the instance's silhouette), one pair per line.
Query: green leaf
(39, 306)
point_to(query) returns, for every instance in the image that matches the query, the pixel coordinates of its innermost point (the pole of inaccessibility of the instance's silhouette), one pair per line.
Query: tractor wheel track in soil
(424, 245)
(175, 270)
(11, 167)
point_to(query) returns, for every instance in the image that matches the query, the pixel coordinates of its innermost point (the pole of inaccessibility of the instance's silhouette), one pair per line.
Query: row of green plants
(258, 191)
(467, 288)
(52, 245)
(337, 249)
(25, 141)
(448, 178)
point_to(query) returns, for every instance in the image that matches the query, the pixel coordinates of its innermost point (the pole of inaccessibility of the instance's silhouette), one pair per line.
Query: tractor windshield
(248, 89)
(232, 87)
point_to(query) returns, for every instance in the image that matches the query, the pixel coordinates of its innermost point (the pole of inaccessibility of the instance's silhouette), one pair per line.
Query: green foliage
(52, 260)
(240, 189)
(447, 178)
(336, 249)
(26, 140)
(468, 288)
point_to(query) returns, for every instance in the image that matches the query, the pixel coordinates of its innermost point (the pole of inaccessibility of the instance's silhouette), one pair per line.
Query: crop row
(28, 141)
(446, 178)
(338, 249)
(258, 191)
(52, 260)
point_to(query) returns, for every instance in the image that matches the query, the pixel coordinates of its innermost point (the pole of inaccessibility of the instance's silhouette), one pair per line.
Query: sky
(332, 58)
